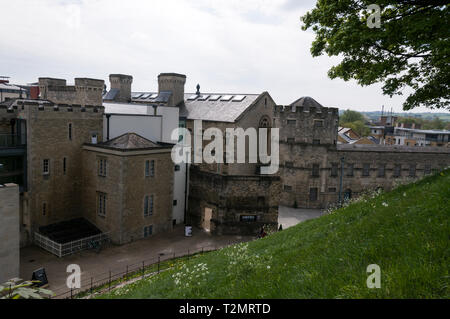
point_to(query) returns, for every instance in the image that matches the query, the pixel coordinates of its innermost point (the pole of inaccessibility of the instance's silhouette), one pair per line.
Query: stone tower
(121, 83)
(174, 83)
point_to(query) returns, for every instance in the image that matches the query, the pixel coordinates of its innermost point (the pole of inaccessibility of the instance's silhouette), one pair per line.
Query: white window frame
(101, 204)
(46, 167)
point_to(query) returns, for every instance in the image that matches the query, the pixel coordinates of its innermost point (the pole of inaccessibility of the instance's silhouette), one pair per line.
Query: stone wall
(230, 197)
(9, 232)
(311, 173)
(49, 138)
(261, 110)
(85, 91)
(126, 186)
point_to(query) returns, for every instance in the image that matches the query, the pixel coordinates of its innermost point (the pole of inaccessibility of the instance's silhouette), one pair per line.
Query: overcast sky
(235, 46)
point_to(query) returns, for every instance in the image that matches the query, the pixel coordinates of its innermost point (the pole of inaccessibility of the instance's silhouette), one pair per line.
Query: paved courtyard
(289, 217)
(116, 258)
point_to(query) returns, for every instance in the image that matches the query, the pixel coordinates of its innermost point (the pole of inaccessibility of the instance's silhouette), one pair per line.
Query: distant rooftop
(217, 107)
(307, 102)
(130, 142)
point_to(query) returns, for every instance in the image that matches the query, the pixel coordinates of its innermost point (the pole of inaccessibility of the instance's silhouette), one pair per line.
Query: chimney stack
(173, 83)
(121, 83)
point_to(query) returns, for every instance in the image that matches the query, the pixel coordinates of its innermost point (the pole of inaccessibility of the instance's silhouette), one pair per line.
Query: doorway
(207, 216)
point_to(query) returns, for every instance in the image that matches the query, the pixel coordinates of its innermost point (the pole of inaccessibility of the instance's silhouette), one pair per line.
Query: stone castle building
(312, 162)
(81, 152)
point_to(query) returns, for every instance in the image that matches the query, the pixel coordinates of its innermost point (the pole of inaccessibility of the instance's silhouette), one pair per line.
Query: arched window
(265, 122)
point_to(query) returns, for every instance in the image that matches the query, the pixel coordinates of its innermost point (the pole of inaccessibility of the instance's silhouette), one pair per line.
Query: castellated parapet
(307, 125)
(84, 92)
(55, 134)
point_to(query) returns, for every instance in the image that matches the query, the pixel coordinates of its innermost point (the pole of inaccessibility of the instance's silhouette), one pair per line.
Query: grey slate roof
(129, 141)
(307, 102)
(216, 111)
(111, 95)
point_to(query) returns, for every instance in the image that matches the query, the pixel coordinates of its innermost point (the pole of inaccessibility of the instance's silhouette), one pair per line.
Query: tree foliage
(358, 127)
(19, 289)
(410, 49)
(352, 116)
(435, 124)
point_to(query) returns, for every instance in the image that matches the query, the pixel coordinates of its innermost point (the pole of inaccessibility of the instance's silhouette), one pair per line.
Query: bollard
(92, 285)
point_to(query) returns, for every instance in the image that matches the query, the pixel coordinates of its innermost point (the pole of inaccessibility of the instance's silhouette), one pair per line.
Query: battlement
(48, 106)
(287, 110)
(85, 91)
(89, 83)
(307, 122)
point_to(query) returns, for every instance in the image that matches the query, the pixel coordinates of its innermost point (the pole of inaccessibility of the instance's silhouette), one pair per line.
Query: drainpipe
(186, 185)
(108, 116)
(341, 180)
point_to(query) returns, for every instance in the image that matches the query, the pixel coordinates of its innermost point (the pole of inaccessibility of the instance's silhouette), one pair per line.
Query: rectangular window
(148, 205)
(318, 123)
(316, 170)
(101, 204)
(397, 170)
(150, 168)
(248, 218)
(382, 170)
(102, 164)
(175, 203)
(177, 168)
(366, 170)
(427, 169)
(46, 167)
(350, 169)
(334, 169)
(313, 194)
(148, 231)
(291, 122)
(412, 170)
(316, 142)
(70, 131)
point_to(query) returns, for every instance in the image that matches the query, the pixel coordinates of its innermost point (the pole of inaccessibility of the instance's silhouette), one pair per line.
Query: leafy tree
(358, 127)
(351, 116)
(410, 49)
(435, 124)
(19, 289)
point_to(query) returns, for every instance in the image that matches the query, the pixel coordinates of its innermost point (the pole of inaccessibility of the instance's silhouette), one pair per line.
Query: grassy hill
(406, 232)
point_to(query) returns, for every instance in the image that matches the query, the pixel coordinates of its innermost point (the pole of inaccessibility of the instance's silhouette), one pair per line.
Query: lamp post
(341, 180)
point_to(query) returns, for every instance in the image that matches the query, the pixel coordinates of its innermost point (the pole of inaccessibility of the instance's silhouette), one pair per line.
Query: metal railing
(62, 250)
(107, 281)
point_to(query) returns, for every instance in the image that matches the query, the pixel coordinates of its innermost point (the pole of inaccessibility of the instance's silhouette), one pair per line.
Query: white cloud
(228, 46)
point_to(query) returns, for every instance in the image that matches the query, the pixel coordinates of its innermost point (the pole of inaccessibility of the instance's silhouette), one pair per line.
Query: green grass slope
(406, 232)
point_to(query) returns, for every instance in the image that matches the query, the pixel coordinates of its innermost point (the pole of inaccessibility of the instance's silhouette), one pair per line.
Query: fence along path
(88, 285)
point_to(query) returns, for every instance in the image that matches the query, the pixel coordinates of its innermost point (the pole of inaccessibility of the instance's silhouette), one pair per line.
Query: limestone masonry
(62, 151)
